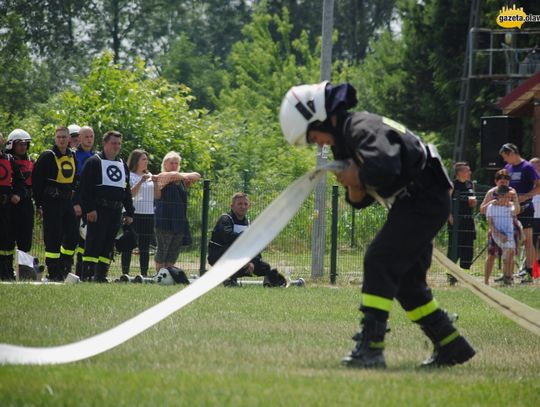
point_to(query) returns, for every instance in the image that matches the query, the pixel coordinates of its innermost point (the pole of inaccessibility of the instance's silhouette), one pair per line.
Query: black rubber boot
(79, 266)
(100, 273)
(67, 264)
(450, 348)
(368, 352)
(55, 272)
(87, 271)
(6, 270)
(231, 282)
(274, 279)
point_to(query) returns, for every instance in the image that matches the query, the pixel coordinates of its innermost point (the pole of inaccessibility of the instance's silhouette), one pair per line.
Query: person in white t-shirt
(500, 215)
(142, 190)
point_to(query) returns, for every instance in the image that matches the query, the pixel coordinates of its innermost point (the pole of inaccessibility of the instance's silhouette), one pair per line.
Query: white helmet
(17, 135)
(164, 277)
(74, 129)
(301, 106)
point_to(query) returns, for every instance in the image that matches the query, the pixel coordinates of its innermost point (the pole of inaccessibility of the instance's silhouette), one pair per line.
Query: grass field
(257, 347)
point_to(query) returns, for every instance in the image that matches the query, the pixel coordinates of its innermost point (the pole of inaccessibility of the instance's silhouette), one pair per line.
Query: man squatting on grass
(391, 165)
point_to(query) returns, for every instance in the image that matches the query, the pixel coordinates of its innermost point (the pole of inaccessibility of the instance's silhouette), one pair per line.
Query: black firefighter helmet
(127, 240)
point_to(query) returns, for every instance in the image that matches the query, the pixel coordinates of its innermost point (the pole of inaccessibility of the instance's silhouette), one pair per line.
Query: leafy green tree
(150, 112)
(20, 84)
(356, 21)
(184, 64)
(263, 67)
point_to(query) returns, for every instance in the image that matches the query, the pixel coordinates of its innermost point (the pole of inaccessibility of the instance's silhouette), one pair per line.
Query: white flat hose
(251, 242)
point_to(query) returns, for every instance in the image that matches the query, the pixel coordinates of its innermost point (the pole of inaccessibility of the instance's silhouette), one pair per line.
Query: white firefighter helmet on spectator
(301, 106)
(74, 129)
(164, 277)
(17, 135)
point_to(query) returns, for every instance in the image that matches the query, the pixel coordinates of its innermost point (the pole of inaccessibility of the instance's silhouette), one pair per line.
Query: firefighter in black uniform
(227, 229)
(11, 191)
(23, 213)
(83, 152)
(463, 196)
(53, 183)
(104, 191)
(391, 165)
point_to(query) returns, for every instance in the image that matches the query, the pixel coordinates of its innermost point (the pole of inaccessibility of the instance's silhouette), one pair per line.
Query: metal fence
(291, 249)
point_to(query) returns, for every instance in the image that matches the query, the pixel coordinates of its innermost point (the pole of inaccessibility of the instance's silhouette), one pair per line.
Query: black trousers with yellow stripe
(7, 242)
(397, 261)
(60, 232)
(100, 236)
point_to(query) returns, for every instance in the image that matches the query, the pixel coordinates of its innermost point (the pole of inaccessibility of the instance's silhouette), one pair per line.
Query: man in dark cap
(391, 165)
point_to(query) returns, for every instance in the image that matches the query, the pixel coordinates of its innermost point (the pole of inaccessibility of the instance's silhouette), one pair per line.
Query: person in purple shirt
(526, 181)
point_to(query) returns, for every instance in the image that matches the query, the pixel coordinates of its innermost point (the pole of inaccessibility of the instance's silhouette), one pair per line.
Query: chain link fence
(291, 249)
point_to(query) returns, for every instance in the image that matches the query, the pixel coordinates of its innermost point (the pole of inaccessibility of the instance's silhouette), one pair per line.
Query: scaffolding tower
(508, 56)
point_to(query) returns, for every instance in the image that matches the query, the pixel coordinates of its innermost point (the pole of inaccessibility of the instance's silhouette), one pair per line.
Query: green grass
(257, 347)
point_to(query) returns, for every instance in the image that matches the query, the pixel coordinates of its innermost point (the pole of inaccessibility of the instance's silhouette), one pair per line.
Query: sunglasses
(507, 177)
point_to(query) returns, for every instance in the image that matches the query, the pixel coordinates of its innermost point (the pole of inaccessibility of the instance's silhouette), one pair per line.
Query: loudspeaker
(494, 132)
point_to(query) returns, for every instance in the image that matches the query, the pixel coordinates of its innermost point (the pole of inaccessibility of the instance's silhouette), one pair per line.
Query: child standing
(500, 216)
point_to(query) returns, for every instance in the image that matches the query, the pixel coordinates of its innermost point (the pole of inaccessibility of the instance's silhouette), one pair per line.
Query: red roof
(519, 101)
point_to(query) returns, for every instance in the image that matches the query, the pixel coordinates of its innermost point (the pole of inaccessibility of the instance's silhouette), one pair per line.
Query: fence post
(204, 226)
(246, 181)
(453, 252)
(334, 232)
(353, 231)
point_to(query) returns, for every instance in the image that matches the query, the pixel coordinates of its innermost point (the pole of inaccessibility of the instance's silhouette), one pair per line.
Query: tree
(150, 112)
(184, 64)
(19, 82)
(262, 68)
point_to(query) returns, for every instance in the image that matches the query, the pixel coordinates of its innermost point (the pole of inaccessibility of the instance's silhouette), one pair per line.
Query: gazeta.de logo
(511, 17)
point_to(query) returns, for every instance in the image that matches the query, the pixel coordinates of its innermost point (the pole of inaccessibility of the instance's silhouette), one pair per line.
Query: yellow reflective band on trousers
(52, 255)
(423, 310)
(66, 251)
(374, 301)
(80, 250)
(7, 252)
(105, 260)
(90, 259)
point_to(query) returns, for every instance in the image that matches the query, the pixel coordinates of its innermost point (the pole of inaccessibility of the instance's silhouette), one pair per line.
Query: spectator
(84, 151)
(502, 178)
(18, 145)
(53, 184)
(500, 215)
(142, 190)
(535, 162)
(104, 191)
(526, 182)
(74, 132)
(228, 227)
(11, 190)
(463, 196)
(391, 165)
(171, 224)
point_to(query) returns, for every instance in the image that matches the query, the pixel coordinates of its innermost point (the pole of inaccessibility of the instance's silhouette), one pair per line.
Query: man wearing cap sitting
(228, 227)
